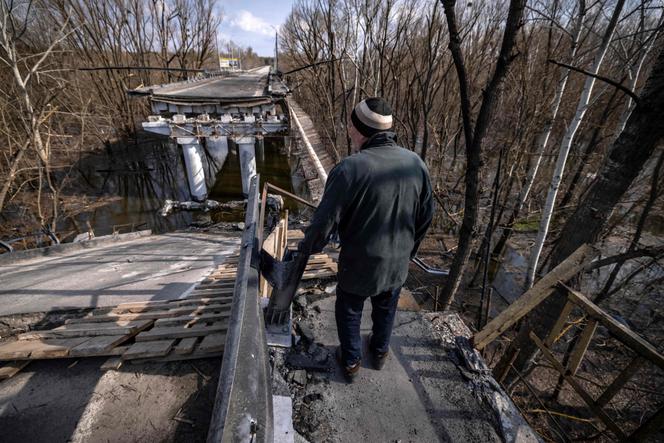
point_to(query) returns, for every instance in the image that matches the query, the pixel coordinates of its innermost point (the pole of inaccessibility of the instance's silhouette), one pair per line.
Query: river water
(132, 179)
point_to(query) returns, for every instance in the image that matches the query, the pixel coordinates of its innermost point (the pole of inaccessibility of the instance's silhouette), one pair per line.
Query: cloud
(247, 21)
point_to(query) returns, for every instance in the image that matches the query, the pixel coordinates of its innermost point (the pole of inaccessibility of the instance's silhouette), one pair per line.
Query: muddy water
(134, 178)
(274, 165)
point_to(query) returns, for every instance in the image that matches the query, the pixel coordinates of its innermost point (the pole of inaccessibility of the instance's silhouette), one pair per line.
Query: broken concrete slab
(306, 362)
(420, 395)
(300, 377)
(157, 267)
(305, 332)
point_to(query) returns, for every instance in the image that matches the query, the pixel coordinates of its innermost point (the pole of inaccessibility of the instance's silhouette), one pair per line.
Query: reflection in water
(146, 171)
(272, 163)
(143, 173)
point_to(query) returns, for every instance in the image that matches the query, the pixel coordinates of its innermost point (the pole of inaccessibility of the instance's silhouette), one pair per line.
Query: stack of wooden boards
(191, 327)
(188, 328)
(319, 265)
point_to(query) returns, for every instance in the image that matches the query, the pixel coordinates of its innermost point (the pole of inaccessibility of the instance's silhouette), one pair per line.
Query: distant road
(151, 268)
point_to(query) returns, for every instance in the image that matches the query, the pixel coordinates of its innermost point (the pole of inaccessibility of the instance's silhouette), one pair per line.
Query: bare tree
(474, 144)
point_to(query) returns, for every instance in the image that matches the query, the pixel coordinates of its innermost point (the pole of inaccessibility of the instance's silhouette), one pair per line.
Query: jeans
(348, 313)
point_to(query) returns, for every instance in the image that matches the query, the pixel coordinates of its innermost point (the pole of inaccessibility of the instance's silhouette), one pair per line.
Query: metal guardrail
(243, 405)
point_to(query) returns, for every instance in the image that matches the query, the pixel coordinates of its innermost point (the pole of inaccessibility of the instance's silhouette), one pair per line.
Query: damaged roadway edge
(512, 426)
(439, 396)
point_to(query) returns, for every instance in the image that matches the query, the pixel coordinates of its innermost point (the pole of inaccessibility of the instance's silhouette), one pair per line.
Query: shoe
(350, 372)
(377, 358)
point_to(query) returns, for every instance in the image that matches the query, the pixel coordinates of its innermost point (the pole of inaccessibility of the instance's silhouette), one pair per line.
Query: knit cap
(372, 115)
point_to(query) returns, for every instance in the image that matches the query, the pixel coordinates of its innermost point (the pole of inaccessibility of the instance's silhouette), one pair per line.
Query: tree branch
(652, 251)
(613, 83)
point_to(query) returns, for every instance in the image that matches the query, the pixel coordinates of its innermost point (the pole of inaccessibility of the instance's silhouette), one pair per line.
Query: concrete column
(217, 146)
(193, 162)
(247, 154)
(260, 148)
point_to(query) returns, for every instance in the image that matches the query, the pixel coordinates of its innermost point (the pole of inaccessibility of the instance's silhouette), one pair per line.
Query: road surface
(151, 268)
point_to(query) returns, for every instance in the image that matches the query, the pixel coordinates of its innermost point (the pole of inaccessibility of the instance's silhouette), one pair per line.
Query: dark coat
(380, 200)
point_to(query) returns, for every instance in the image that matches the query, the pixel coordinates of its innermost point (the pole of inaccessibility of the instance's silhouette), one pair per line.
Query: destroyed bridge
(142, 299)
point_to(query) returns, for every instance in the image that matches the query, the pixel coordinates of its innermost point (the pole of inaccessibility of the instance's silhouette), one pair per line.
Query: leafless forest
(541, 123)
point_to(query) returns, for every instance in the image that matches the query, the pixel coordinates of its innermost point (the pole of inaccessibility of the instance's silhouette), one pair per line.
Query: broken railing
(595, 316)
(243, 405)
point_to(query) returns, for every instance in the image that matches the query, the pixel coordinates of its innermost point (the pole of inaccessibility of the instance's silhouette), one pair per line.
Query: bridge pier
(193, 162)
(247, 152)
(260, 147)
(217, 147)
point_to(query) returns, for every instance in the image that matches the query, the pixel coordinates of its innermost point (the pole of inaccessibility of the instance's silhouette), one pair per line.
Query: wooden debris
(88, 330)
(112, 363)
(12, 368)
(159, 333)
(147, 349)
(186, 346)
(37, 349)
(97, 346)
(164, 330)
(213, 343)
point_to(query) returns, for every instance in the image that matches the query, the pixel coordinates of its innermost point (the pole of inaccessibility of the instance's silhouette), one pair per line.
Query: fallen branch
(652, 251)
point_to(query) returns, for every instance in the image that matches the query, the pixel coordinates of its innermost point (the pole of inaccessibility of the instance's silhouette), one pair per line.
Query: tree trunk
(565, 146)
(491, 95)
(628, 154)
(543, 137)
(14, 162)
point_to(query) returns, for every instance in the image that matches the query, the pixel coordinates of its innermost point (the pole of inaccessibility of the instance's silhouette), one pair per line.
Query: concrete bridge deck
(255, 86)
(157, 267)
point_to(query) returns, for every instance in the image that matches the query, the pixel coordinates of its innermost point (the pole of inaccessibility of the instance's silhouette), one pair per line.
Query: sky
(251, 22)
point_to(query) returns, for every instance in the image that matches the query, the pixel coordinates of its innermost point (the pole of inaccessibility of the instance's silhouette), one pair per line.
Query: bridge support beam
(247, 153)
(193, 162)
(217, 147)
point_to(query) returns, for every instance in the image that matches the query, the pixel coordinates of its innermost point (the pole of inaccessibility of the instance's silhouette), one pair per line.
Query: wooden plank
(97, 346)
(207, 295)
(56, 348)
(213, 343)
(89, 331)
(317, 274)
(103, 326)
(8, 370)
(216, 285)
(620, 331)
(203, 293)
(560, 324)
(36, 349)
(112, 363)
(581, 347)
(192, 319)
(599, 412)
(178, 357)
(186, 346)
(154, 315)
(620, 381)
(534, 296)
(148, 349)
(180, 332)
(182, 309)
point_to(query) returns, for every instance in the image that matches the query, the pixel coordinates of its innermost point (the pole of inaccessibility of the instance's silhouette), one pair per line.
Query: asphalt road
(246, 84)
(151, 268)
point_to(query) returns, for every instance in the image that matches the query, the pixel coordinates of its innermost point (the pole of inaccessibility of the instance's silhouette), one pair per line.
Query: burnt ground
(422, 394)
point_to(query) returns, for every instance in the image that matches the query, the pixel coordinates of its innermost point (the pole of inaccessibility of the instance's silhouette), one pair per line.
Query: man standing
(380, 201)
